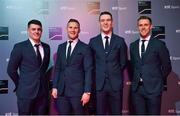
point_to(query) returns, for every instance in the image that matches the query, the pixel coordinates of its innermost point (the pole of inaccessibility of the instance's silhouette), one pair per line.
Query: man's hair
(74, 20)
(145, 17)
(105, 13)
(34, 21)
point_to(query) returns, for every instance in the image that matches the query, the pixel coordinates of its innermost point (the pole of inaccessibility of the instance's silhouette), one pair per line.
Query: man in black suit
(28, 63)
(151, 65)
(110, 57)
(72, 73)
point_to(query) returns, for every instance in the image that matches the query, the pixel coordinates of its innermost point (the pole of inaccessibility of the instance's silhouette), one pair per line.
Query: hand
(54, 93)
(85, 98)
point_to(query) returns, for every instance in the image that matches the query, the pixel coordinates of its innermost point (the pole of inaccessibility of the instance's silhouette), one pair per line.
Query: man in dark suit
(110, 57)
(151, 65)
(28, 63)
(72, 73)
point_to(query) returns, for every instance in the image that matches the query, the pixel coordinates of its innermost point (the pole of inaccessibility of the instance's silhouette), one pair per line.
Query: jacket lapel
(112, 43)
(99, 45)
(75, 49)
(136, 51)
(63, 53)
(31, 50)
(148, 49)
(45, 53)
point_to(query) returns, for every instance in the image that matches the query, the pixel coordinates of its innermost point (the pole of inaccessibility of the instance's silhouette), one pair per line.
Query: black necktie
(69, 52)
(106, 44)
(142, 48)
(38, 54)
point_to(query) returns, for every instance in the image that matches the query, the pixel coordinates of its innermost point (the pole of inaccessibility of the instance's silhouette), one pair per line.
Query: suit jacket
(109, 65)
(74, 78)
(25, 72)
(153, 68)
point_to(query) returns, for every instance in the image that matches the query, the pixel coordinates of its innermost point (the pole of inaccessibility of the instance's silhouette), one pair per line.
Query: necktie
(38, 54)
(106, 44)
(142, 48)
(69, 52)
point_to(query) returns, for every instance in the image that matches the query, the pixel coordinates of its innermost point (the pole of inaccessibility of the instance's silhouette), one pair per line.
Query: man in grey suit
(151, 65)
(28, 63)
(72, 73)
(110, 57)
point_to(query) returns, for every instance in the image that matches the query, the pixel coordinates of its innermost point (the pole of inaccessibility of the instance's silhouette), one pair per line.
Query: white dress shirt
(104, 39)
(145, 43)
(41, 50)
(73, 44)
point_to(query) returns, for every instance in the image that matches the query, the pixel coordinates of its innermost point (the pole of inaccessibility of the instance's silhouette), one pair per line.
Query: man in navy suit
(110, 57)
(72, 73)
(28, 63)
(151, 65)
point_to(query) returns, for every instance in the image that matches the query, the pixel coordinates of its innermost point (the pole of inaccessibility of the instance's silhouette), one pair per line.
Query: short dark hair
(74, 20)
(145, 17)
(34, 21)
(105, 13)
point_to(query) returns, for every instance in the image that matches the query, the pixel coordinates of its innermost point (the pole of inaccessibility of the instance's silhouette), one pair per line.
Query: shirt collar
(147, 38)
(103, 35)
(32, 42)
(73, 41)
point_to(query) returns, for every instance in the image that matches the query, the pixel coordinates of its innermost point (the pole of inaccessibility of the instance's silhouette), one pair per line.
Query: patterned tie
(38, 54)
(69, 52)
(106, 44)
(142, 48)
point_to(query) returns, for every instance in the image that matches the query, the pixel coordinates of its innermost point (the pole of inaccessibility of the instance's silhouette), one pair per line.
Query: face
(73, 30)
(144, 27)
(106, 23)
(35, 32)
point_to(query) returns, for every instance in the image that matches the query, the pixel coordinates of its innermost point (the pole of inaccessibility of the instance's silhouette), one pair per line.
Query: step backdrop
(54, 14)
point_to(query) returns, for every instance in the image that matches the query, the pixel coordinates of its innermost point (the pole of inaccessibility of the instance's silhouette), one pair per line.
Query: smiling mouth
(72, 33)
(143, 31)
(106, 28)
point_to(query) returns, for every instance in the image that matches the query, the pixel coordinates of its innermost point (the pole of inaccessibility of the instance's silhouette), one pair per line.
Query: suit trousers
(144, 103)
(36, 106)
(108, 97)
(70, 105)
